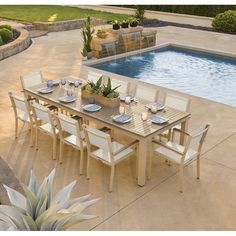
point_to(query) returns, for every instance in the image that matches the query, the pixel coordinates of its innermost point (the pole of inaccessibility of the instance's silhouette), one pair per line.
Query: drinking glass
(122, 110)
(127, 100)
(63, 82)
(69, 93)
(49, 83)
(77, 84)
(153, 109)
(92, 100)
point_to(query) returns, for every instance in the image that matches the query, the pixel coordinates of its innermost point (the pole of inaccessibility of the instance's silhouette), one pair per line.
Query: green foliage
(199, 10)
(102, 33)
(94, 87)
(41, 210)
(6, 35)
(6, 27)
(115, 22)
(225, 22)
(1, 41)
(87, 35)
(139, 13)
(108, 91)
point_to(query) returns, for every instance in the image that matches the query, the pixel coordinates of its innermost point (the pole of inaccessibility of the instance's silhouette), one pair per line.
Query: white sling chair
(182, 154)
(146, 93)
(108, 151)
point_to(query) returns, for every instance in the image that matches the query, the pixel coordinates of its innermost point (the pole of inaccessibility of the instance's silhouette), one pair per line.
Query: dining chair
(93, 76)
(146, 93)
(176, 102)
(71, 133)
(123, 86)
(22, 112)
(45, 123)
(32, 79)
(107, 151)
(182, 154)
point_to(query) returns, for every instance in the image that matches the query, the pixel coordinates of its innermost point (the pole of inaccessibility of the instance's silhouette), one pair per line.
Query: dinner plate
(92, 107)
(67, 99)
(124, 118)
(159, 106)
(158, 119)
(45, 90)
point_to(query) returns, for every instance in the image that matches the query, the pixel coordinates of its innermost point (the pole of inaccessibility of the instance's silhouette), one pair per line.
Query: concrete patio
(208, 204)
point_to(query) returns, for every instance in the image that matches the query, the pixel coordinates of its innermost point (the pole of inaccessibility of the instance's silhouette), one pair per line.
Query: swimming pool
(198, 74)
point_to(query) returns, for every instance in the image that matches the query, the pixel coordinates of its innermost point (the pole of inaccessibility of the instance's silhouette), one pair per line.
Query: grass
(41, 13)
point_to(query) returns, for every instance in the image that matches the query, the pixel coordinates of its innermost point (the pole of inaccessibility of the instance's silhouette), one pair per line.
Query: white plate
(122, 118)
(45, 90)
(158, 119)
(92, 107)
(159, 106)
(67, 99)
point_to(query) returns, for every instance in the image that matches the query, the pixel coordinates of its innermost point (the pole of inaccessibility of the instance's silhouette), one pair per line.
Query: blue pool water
(194, 73)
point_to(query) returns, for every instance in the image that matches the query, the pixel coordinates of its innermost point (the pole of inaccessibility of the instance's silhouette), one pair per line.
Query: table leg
(143, 155)
(184, 125)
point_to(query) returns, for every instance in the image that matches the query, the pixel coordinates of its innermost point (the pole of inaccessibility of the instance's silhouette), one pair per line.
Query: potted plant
(41, 210)
(87, 35)
(102, 93)
(115, 25)
(124, 24)
(133, 22)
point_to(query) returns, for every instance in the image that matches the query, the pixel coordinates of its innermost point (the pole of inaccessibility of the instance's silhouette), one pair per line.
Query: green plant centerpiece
(87, 36)
(103, 93)
(41, 210)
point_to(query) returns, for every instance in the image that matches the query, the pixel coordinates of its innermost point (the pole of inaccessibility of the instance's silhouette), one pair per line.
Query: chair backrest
(93, 76)
(124, 85)
(68, 124)
(30, 80)
(98, 139)
(42, 113)
(19, 103)
(197, 138)
(146, 93)
(177, 102)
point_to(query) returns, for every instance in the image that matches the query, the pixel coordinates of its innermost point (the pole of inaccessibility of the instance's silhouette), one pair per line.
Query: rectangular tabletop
(136, 127)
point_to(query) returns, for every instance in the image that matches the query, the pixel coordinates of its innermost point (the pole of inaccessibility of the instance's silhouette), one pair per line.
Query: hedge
(199, 10)
(225, 22)
(1, 41)
(6, 35)
(6, 27)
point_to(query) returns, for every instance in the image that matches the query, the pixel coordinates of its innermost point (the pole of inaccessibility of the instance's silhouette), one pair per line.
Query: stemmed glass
(77, 84)
(49, 84)
(63, 83)
(69, 93)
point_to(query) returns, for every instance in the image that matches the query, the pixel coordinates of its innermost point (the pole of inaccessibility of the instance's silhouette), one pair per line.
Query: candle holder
(144, 116)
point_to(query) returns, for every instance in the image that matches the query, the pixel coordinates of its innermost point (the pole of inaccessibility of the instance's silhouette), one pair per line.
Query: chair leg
(198, 167)
(54, 148)
(181, 177)
(31, 135)
(111, 178)
(36, 138)
(61, 152)
(81, 161)
(16, 128)
(87, 171)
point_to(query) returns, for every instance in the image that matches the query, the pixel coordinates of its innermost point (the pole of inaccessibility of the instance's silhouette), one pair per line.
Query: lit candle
(127, 100)
(122, 110)
(144, 115)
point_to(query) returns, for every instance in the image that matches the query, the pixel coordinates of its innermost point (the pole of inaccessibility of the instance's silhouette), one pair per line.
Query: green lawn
(30, 13)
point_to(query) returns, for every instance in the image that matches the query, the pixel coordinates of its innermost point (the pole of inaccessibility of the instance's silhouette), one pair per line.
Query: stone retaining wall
(65, 25)
(18, 45)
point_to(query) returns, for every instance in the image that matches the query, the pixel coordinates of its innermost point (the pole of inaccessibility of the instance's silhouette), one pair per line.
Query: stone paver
(205, 204)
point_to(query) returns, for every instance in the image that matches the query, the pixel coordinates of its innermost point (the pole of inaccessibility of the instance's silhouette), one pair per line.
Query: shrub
(139, 14)
(6, 35)
(225, 22)
(1, 41)
(6, 27)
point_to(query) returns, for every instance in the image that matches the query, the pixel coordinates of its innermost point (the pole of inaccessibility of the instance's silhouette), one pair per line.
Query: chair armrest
(135, 142)
(167, 147)
(180, 131)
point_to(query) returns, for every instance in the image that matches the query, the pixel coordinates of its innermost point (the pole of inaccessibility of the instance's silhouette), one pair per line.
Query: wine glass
(69, 93)
(127, 100)
(63, 82)
(50, 84)
(77, 84)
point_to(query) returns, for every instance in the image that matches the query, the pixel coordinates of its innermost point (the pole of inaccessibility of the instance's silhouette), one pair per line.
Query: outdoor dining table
(143, 131)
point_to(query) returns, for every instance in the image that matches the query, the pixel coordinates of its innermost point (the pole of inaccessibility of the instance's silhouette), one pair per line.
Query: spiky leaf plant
(40, 209)
(108, 91)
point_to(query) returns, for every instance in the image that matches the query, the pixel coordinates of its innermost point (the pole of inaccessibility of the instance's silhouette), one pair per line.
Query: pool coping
(86, 66)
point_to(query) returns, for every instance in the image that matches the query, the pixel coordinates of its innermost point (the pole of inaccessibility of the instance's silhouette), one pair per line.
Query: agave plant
(40, 209)
(108, 91)
(94, 87)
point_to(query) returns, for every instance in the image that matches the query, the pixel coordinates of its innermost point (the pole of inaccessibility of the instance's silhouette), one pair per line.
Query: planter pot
(133, 24)
(108, 102)
(115, 26)
(125, 25)
(89, 55)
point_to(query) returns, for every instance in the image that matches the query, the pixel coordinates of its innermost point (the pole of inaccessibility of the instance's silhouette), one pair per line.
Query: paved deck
(208, 204)
(164, 16)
